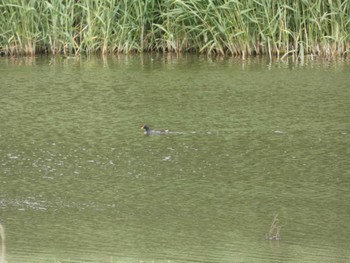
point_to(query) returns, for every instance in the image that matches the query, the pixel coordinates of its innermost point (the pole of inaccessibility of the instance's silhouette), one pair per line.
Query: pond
(253, 141)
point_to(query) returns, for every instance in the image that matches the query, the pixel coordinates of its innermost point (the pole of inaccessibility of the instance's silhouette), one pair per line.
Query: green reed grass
(241, 28)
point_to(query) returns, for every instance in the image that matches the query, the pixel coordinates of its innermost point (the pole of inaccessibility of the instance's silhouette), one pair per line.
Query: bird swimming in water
(149, 131)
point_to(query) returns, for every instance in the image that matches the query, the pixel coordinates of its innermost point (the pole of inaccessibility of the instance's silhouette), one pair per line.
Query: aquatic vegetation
(271, 27)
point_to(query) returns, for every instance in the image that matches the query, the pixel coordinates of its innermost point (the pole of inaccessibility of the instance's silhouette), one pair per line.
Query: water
(81, 183)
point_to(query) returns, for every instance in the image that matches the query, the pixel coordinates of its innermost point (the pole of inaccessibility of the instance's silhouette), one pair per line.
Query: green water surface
(80, 182)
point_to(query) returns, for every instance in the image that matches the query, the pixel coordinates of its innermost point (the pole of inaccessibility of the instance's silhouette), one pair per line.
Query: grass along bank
(232, 27)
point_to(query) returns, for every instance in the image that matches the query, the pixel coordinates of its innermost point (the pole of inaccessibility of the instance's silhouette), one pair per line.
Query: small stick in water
(275, 228)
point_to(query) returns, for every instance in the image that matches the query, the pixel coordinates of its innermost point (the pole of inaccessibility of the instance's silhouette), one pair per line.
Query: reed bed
(240, 28)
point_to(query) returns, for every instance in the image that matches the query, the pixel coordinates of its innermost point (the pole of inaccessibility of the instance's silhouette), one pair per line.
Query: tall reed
(241, 28)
